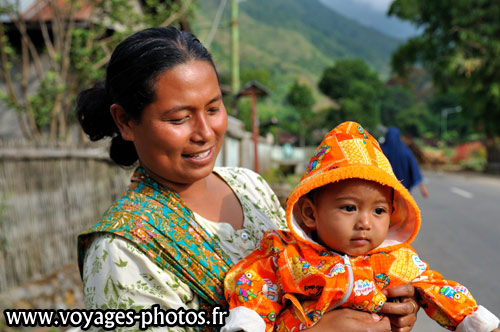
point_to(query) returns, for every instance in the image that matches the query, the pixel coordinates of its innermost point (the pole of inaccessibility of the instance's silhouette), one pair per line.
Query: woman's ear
(307, 211)
(123, 122)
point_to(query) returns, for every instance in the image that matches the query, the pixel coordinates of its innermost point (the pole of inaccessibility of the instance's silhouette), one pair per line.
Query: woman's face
(180, 134)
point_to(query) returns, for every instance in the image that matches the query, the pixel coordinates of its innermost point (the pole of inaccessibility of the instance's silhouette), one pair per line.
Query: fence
(48, 196)
(49, 193)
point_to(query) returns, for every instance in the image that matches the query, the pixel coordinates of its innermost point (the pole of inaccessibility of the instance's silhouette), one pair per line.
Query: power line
(215, 24)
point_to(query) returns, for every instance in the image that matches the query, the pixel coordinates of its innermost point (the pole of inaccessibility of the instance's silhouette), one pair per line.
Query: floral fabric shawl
(155, 219)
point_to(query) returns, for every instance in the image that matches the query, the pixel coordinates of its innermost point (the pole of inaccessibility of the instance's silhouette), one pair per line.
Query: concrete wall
(238, 150)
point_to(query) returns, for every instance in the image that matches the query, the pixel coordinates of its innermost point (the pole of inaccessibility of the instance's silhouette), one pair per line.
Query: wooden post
(255, 133)
(235, 51)
(254, 89)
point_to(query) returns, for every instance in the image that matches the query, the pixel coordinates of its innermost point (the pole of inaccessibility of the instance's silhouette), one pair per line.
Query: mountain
(372, 13)
(298, 36)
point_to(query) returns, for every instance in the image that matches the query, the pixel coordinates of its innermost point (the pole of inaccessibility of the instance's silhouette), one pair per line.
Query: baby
(351, 224)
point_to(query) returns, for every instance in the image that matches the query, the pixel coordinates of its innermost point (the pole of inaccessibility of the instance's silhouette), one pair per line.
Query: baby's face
(353, 216)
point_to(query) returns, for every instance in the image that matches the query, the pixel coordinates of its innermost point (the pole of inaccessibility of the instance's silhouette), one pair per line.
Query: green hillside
(292, 38)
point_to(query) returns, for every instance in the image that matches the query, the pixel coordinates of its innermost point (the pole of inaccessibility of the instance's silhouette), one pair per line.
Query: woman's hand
(341, 320)
(403, 313)
(423, 189)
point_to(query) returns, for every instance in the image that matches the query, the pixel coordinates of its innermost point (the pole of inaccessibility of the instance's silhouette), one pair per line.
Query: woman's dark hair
(130, 82)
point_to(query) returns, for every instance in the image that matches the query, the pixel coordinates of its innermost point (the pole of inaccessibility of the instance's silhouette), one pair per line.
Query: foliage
(458, 124)
(393, 100)
(301, 98)
(67, 53)
(273, 176)
(399, 108)
(356, 88)
(266, 110)
(261, 75)
(460, 46)
(468, 150)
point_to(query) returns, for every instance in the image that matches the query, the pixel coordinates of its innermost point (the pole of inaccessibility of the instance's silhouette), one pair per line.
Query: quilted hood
(347, 152)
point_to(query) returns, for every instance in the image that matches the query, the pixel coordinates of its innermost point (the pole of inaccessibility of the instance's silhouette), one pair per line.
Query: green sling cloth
(156, 220)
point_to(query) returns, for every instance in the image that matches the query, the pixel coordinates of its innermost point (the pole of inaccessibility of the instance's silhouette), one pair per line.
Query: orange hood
(346, 152)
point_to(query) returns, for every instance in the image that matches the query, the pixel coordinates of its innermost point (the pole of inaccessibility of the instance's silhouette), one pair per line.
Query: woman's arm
(117, 275)
(401, 316)
(341, 320)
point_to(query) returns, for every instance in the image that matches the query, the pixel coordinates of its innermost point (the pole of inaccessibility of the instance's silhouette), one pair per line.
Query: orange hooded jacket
(290, 280)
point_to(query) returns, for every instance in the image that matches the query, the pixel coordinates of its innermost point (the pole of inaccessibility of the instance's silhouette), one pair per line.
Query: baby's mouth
(360, 241)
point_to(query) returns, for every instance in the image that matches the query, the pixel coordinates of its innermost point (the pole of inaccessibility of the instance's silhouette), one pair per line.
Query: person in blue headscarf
(403, 161)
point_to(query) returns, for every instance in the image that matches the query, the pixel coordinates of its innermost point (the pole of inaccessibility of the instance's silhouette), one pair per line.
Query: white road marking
(461, 192)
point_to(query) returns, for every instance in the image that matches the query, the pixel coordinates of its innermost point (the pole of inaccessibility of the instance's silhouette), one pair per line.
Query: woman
(403, 161)
(181, 224)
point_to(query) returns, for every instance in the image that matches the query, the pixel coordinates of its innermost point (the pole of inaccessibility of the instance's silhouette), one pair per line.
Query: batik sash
(155, 219)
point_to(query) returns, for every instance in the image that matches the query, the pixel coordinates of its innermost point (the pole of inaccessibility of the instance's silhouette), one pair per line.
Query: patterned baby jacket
(291, 280)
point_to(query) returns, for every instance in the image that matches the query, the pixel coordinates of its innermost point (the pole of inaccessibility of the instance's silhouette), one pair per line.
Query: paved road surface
(460, 236)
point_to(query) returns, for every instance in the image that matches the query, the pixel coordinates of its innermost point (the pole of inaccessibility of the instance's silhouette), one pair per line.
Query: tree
(356, 88)
(394, 99)
(261, 75)
(398, 108)
(459, 45)
(62, 46)
(300, 96)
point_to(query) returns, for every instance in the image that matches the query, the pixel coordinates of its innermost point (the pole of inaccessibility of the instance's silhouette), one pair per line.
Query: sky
(380, 6)
(372, 13)
(23, 5)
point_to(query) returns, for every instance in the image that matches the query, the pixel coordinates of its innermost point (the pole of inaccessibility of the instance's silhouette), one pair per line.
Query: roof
(253, 87)
(23, 5)
(42, 9)
(34, 10)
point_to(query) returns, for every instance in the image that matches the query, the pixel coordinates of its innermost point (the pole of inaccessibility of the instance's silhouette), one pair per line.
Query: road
(460, 236)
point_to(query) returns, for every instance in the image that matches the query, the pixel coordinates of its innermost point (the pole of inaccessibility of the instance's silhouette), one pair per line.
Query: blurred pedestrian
(403, 161)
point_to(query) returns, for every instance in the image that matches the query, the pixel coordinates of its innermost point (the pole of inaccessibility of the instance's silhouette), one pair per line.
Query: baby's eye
(379, 211)
(213, 110)
(349, 208)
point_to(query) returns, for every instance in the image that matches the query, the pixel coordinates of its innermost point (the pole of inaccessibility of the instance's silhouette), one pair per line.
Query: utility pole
(444, 117)
(235, 51)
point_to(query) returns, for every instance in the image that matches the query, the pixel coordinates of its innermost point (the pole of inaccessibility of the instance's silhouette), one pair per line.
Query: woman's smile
(201, 157)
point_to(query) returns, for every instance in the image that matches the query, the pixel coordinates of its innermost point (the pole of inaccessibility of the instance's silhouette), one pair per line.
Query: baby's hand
(496, 330)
